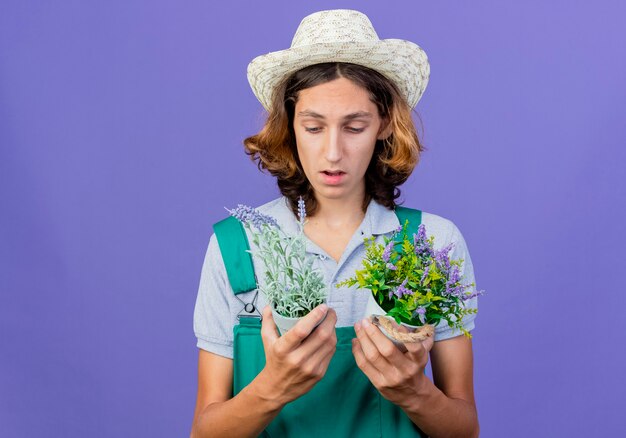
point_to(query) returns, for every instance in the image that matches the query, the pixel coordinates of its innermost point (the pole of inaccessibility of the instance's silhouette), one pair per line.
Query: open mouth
(333, 178)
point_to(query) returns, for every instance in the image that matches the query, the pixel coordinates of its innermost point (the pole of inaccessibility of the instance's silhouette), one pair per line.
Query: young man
(339, 133)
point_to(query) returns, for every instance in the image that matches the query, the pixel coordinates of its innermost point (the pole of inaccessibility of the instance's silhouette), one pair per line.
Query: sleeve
(212, 322)
(460, 251)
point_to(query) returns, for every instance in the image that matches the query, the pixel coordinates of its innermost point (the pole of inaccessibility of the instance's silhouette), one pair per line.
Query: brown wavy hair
(395, 157)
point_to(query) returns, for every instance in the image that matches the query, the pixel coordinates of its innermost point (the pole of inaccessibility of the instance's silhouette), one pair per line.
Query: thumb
(421, 348)
(428, 343)
(268, 328)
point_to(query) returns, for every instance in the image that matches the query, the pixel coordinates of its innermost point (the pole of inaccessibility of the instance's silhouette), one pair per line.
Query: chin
(333, 192)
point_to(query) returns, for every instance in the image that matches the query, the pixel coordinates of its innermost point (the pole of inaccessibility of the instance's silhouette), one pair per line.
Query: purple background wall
(120, 143)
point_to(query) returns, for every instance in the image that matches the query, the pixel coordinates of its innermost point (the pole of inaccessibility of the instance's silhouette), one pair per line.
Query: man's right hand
(296, 361)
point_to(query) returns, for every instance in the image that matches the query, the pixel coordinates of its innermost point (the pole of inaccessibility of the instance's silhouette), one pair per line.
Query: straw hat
(342, 35)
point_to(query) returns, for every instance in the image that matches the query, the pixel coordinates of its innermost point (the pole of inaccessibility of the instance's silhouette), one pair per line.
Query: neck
(339, 212)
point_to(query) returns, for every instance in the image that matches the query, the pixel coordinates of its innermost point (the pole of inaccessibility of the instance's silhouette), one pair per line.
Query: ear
(386, 130)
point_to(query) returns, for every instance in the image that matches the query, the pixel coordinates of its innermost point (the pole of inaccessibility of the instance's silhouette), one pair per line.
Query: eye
(312, 130)
(355, 130)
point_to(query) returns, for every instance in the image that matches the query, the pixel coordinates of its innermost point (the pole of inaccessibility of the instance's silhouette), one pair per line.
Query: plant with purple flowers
(414, 283)
(292, 285)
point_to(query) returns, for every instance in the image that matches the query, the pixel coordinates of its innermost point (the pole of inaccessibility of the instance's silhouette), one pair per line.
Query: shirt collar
(378, 219)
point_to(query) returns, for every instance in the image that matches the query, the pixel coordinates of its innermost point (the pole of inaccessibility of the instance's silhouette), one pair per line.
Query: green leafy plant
(414, 283)
(292, 286)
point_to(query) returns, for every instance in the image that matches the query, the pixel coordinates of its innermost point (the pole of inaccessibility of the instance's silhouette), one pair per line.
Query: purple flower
(387, 251)
(442, 259)
(472, 295)
(421, 244)
(421, 233)
(402, 290)
(248, 214)
(453, 287)
(301, 210)
(454, 275)
(425, 274)
(456, 291)
(419, 313)
(391, 267)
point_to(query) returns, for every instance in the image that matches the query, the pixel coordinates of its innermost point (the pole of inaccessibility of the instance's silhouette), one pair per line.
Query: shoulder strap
(414, 217)
(233, 243)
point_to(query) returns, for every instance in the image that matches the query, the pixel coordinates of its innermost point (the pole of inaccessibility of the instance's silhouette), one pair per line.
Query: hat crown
(347, 36)
(333, 26)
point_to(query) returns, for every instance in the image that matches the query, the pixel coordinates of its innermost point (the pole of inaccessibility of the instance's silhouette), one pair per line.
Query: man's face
(336, 127)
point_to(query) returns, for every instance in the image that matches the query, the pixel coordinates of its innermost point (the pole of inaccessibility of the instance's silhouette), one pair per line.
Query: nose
(333, 146)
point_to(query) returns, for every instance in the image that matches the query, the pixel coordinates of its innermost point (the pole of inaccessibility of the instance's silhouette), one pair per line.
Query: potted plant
(292, 286)
(411, 282)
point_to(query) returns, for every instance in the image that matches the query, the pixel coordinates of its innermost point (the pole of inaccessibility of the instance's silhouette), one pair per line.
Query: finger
(361, 361)
(414, 355)
(330, 320)
(400, 367)
(399, 327)
(428, 343)
(316, 351)
(269, 333)
(420, 349)
(324, 361)
(391, 351)
(414, 347)
(324, 334)
(303, 328)
(315, 367)
(377, 348)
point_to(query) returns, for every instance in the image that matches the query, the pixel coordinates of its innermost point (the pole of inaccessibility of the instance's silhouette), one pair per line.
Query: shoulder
(273, 207)
(446, 232)
(443, 229)
(276, 208)
(280, 209)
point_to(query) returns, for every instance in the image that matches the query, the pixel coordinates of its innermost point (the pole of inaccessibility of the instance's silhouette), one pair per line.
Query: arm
(295, 362)
(217, 414)
(445, 408)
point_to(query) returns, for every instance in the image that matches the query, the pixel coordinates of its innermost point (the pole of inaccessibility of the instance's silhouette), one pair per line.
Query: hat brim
(403, 62)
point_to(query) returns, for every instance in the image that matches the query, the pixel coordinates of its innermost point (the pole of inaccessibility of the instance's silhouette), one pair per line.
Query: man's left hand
(397, 375)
